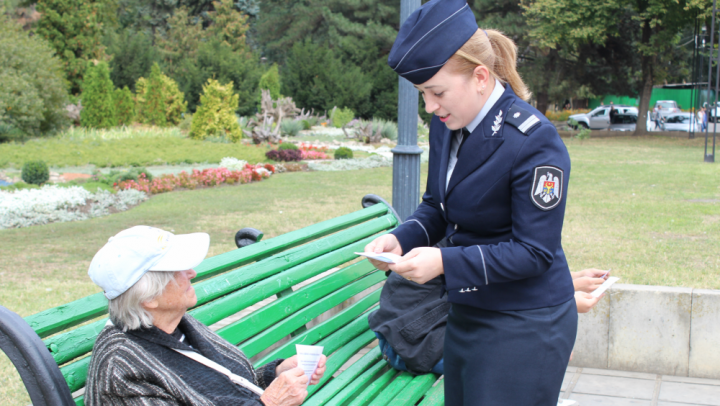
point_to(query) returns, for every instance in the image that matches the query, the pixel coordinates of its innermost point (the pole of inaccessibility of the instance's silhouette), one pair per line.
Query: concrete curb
(652, 329)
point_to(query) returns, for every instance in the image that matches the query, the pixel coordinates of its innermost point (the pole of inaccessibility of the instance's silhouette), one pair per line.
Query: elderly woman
(152, 352)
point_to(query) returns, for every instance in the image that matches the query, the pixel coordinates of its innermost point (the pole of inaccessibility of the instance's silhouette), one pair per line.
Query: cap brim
(186, 251)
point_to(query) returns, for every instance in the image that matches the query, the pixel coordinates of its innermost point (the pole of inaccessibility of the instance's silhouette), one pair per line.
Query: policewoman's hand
(384, 243)
(420, 265)
(585, 301)
(586, 284)
(591, 273)
(288, 389)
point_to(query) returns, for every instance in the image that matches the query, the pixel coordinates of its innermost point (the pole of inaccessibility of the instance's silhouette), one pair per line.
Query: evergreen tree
(132, 55)
(153, 108)
(97, 98)
(124, 106)
(74, 29)
(270, 80)
(215, 116)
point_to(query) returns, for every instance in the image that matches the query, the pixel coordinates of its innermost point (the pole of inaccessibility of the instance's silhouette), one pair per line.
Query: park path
(595, 387)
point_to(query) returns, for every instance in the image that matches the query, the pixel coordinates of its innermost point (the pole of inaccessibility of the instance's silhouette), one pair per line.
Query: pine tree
(97, 98)
(74, 29)
(124, 106)
(153, 109)
(270, 80)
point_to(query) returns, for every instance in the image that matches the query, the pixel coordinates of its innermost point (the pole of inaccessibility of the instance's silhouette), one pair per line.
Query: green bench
(51, 350)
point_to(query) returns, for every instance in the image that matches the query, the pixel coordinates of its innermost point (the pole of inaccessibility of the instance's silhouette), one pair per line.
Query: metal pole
(710, 61)
(406, 155)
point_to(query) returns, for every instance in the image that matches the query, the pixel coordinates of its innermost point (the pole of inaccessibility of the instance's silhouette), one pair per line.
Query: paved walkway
(591, 387)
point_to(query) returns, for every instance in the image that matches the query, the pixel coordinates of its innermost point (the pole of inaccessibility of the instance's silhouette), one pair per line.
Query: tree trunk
(647, 83)
(542, 101)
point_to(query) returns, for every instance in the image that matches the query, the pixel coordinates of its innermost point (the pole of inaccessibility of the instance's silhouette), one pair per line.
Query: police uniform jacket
(502, 211)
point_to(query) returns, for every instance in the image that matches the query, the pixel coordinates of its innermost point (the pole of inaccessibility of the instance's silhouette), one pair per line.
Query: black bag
(412, 318)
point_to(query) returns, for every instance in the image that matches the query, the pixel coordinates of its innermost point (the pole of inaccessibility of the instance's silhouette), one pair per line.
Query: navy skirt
(507, 358)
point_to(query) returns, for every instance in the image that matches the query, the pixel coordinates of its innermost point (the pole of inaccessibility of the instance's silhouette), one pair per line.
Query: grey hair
(127, 312)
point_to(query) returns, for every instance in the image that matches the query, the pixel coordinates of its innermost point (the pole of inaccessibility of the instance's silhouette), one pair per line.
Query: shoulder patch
(546, 190)
(522, 119)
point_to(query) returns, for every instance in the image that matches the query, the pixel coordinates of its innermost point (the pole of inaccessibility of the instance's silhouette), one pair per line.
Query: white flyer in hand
(308, 358)
(388, 257)
(602, 288)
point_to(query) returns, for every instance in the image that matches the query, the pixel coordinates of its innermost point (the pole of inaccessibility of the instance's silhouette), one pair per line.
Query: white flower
(232, 163)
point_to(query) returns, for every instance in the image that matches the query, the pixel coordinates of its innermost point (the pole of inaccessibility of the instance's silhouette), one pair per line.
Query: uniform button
(456, 226)
(442, 207)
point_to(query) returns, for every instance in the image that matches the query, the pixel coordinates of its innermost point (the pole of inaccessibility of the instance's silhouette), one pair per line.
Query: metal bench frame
(367, 381)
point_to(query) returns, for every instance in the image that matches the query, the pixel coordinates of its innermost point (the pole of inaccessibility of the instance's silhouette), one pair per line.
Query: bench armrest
(38, 370)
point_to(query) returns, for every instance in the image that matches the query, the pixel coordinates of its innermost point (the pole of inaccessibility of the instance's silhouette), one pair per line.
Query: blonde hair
(497, 53)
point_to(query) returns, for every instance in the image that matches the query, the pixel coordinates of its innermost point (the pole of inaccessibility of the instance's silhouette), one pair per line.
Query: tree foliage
(97, 98)
(159, 101)
(124, 105)
(74, 29)
(132, 55)
(270, 80)
(215, 116)
(32, 89)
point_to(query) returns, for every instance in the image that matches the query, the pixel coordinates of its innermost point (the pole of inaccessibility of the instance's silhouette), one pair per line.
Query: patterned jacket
(140, 367)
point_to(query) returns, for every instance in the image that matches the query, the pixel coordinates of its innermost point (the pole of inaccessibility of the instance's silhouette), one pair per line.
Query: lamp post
(406, 155)
(710, 158)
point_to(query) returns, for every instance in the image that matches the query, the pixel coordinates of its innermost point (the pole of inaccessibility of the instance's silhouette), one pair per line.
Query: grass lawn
(648, 208)
(115, 148)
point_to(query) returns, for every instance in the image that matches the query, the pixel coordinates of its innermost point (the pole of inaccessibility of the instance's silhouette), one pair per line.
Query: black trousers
(507, 358)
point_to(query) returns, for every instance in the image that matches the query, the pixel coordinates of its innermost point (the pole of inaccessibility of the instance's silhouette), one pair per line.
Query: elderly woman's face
(178, 296)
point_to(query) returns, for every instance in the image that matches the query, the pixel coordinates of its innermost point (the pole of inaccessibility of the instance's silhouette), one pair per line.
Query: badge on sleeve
(546, 190)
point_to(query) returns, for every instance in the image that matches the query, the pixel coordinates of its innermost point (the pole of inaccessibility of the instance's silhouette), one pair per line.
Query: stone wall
(653, 329)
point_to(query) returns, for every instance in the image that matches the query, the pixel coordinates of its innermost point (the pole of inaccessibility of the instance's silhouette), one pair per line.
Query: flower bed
(49, 204)
(207, 177)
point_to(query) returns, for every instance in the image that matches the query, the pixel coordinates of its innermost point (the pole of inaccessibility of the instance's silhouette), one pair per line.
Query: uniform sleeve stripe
(423, 227)
(531, 121)
(484, 268)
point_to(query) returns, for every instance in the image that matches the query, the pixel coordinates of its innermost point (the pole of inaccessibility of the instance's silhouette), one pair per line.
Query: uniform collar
(491, 101)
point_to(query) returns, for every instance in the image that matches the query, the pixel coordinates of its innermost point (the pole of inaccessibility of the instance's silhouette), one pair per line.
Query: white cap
(131, 253)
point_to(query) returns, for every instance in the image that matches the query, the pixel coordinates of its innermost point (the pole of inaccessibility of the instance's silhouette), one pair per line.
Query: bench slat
(435, 396)
(340, 355)
(371, 391)
(356, 384)
(274, 334)
(268, 315)
(59, 318)
(323, 329)
(395, 387)
(76, 373)
(232, 281)
(346, 378)
(415, 390)
(236, 300)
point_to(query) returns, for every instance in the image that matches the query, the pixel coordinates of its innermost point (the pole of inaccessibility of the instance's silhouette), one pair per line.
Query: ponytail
(496, 52)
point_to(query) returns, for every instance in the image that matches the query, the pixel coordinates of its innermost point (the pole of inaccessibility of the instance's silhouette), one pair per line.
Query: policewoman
(496, 188)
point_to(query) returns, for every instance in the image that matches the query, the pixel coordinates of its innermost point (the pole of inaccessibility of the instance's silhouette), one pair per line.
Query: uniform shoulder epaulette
(523, 120)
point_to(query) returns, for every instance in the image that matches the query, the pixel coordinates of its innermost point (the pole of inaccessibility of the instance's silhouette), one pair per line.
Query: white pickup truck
(599, 118)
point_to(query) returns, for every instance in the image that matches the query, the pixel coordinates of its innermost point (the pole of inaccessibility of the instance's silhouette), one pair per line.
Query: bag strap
(239, 380)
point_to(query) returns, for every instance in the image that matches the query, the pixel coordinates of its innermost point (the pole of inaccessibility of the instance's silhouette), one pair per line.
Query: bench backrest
(230, 282)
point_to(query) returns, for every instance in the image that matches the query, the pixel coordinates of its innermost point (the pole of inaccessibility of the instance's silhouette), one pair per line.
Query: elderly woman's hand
(292, 362)
(288, 389)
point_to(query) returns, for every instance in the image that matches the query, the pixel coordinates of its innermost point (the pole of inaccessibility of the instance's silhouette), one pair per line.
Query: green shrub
(216, 114)
(186, 123)
(97, 98)
(152, 107)
(133, 55)
(9, 133)
(270, 80)
(388, 129)
(114, 176)
(290, 127)
(124, 106)
(32, 84)
(35, 172)
(340, 117)
(343, 153)
(287, 145)
(159, 101)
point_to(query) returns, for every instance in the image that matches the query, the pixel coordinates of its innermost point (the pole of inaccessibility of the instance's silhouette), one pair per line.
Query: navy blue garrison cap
(429, 37)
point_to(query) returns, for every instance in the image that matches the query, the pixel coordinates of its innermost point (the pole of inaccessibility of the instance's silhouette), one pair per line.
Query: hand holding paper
(308, 357)
(387, 257)
(602, 288)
